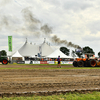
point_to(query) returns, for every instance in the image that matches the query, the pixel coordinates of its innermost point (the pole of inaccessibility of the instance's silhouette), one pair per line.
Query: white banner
(27, 62)
(36, 62)
(50, 62)
(66, 62)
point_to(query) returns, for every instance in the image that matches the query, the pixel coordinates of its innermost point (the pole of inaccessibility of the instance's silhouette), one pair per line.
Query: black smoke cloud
(46, 29)
(29, 17)
(33, 26)
(57, 40)
(31, 23)
(4, 22)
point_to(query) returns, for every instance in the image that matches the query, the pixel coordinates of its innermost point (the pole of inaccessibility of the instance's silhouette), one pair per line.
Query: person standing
(58, 65)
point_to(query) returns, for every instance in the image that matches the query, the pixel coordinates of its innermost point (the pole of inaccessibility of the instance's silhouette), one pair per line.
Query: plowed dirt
(26, 80)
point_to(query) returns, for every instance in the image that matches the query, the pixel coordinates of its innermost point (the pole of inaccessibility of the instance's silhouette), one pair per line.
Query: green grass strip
(42, 64)
(67, 96)
(54, 68)
(39, 64)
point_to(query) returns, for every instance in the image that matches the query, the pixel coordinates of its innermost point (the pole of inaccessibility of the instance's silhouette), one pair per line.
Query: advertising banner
(32, 62)
(36, 62)
(27, 62)
(55, 62)
(66, 62)
(20, 62)
(10, 43)
(43, 62)
(50, 62)
(70, 62)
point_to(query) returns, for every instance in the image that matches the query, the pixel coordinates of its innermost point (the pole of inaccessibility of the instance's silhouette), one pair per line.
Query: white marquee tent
(29, 50)
(45, 49)
(57, 53)
(17, 55)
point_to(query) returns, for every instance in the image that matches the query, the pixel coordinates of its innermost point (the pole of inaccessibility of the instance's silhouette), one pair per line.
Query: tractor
(3, 59)
(88, 61)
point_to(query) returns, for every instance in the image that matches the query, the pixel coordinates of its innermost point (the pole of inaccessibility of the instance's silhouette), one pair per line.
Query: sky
(69, 23)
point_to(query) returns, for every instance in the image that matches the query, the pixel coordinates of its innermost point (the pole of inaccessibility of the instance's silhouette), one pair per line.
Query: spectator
(58, 65)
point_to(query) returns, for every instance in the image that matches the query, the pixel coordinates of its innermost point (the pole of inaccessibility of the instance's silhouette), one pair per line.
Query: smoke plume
(4, 23)
(57, 40)
(29, 17)
(46, 29)
(33, 25)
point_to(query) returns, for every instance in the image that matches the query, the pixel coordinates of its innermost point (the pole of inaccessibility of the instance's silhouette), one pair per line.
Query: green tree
(73, 54)
(99, 54)
(65, 50)
(87, 49)
(3, 53)
(79, 54)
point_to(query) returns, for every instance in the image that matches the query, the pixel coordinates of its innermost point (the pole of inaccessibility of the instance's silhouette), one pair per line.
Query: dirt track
(26, 80)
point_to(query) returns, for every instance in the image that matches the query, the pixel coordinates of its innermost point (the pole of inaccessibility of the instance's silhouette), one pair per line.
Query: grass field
(67, 96)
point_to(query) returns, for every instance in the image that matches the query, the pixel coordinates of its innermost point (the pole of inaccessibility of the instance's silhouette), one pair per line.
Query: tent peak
(44, 40)
(26, 40)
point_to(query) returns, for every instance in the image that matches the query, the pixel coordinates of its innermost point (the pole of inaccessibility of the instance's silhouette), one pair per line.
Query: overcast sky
(76, 21)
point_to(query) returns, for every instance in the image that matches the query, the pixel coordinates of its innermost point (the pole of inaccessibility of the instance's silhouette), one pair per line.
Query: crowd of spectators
(47, 59)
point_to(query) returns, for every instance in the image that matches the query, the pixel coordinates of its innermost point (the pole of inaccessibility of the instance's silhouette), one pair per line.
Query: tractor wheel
(75, 63)
(4, 61)
(80, 63)
(93, 63)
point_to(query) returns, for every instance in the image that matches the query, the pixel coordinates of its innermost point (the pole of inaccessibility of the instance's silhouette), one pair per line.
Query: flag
(10, 43)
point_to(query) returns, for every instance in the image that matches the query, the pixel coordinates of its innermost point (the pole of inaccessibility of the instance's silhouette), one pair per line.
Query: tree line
(3, 53)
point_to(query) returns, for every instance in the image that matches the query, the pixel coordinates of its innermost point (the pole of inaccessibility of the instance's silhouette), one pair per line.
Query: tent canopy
(29, 49)
(57, 53)
(17, 54)
(45, 49)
